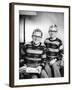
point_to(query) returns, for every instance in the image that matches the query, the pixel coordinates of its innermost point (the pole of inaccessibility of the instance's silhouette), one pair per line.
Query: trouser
(44, 74)
(48, 70)
(34, 76)
(55, 67)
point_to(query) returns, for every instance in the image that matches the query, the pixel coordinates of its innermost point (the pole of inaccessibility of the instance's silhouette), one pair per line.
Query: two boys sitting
(43, 57)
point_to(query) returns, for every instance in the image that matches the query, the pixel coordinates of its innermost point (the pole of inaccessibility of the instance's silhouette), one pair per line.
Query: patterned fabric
(34, 55)
(54, 48)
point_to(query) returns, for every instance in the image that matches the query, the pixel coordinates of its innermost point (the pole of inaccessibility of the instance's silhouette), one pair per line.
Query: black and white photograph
(41, 47)
(41, 44)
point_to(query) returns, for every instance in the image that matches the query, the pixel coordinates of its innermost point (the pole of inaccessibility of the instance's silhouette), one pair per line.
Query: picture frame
(23, 19)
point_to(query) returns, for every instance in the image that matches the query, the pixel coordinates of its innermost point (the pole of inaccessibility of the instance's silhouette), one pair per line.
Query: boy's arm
(22, 53)
(22, 50)
(61, 51)
(45, 42)
(43, 58)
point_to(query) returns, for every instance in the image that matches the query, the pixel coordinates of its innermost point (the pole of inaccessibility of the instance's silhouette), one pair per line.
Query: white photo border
(42, 8)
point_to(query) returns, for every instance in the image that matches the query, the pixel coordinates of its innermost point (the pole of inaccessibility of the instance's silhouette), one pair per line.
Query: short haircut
(37, 30)
(53, 26)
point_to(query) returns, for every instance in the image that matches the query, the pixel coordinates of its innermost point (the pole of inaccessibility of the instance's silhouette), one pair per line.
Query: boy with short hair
(34, 55)
(54, 52)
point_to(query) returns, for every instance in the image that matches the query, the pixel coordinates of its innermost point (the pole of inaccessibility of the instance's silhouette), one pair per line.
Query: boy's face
(53, 32)
(37, 37)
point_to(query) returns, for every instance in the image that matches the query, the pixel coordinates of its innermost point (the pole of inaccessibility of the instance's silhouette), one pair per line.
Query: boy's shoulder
(47, 38)
(27, 44)
(43, 46)
(59, 40)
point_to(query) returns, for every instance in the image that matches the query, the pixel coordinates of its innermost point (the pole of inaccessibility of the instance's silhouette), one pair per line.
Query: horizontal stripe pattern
(34, 54)
(49, 53)
(53, 47)
(33, 59)
(34, 51)
(55, 42)
(50, 45)
(53, 50)
(31, 46)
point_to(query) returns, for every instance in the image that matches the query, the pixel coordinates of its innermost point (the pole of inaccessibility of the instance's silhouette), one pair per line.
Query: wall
(42, 21)
(4, 44)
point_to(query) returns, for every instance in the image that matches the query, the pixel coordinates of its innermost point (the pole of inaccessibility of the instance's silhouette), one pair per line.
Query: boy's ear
(32, 36)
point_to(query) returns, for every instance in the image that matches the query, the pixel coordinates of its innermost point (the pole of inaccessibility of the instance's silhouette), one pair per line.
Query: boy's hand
(42, 65)
(39, 68)
(22, 68)
(52, 61)
(62, 63)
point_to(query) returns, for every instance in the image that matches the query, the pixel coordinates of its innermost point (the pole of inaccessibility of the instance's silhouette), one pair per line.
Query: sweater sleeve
(61, 50)
(43, 58)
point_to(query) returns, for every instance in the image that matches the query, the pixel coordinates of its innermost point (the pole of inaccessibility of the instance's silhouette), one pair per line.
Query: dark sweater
(34, 55)
(54, 49)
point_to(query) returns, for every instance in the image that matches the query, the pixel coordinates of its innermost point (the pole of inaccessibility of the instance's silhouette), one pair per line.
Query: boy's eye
(52, 31)
(37, 36)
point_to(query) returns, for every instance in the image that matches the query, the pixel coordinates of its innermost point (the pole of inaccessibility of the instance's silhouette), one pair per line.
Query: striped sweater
(54, 48)
(34, 55)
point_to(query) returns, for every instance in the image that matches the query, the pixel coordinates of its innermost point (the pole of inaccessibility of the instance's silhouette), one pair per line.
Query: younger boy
(54, 52)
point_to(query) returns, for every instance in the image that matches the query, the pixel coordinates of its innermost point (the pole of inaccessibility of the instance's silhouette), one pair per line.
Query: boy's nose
(35, 39)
